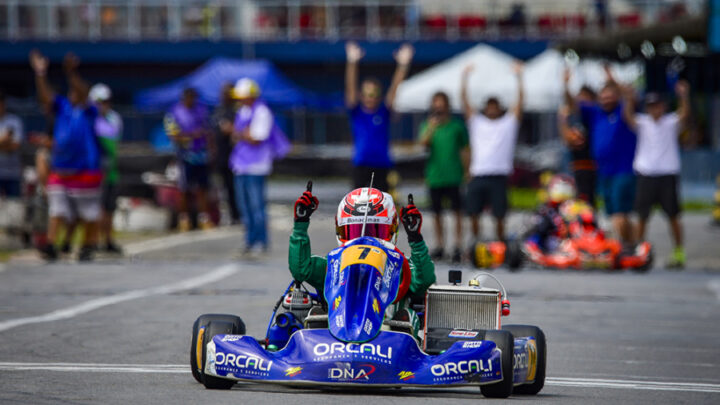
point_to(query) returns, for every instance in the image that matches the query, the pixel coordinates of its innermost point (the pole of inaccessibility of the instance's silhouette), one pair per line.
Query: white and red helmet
(382, 217)
(561, 188)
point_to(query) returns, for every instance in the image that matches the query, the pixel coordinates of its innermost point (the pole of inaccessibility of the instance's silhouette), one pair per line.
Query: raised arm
(569, 99)
(403, 57)
(353, 53)
(467, 108)
(39, 64)
(75, 81)
(682, 90)
(629, 106)
(609, 78)
(518, 68)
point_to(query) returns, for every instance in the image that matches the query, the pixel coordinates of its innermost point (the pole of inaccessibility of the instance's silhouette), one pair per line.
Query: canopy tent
(493, 76)
(276, 89)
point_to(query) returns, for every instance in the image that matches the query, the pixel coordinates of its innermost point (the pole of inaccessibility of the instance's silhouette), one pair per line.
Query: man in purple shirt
(187, 124)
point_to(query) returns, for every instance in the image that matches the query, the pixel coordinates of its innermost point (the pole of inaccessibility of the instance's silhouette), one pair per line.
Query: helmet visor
(352, 231)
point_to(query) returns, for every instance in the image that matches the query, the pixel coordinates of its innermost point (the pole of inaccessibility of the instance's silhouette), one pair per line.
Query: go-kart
(354, 335)
(585, 247)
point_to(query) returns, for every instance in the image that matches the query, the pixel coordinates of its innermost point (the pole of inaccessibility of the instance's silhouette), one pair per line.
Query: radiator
(460, 307)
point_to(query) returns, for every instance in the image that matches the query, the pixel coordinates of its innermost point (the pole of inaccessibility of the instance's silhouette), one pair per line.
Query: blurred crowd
(630, 158)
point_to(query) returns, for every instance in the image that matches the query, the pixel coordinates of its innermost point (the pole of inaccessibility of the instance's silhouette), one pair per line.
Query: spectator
(108, 127)
(493, 135)
(11, 136)
(187, 125)
(258, 142)
(574, 132)
(612, 143)
(370, 116)
(657, 161)
(446, 139)
(222, 120)
(74, 183)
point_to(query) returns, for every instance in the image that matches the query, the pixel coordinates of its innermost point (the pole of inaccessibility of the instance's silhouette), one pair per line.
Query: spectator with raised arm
(612, 144)
(657, 161)
(11, 137)
(493, 135)
(370, 116)
(576, 136)
(74, 182)
(446, 140)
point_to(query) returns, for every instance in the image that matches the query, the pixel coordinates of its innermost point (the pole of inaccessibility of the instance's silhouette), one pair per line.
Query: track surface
(117, 331)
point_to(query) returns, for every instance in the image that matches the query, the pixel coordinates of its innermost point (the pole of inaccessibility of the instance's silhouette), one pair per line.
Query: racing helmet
(382, 217)
(561, 188)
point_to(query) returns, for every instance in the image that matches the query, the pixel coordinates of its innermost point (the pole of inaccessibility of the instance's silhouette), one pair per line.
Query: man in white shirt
(493, 135)
(657, 161)
(11, 136)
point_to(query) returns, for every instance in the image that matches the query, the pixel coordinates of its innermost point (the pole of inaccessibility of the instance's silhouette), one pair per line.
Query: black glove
(412, 221)
(305, 205)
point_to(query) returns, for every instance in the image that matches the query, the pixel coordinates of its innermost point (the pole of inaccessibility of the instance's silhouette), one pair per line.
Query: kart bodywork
(355, 336)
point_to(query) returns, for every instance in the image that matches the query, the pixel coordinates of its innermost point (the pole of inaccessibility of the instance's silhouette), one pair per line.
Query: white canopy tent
(493, 76)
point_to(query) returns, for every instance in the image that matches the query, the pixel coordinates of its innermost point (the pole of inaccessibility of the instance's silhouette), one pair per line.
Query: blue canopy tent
(277, 90)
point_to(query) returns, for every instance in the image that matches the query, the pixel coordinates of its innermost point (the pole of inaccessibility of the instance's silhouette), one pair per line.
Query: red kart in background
(585, 247)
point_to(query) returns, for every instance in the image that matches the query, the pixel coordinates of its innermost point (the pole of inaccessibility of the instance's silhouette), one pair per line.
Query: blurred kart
(584, 246)
(349, 337)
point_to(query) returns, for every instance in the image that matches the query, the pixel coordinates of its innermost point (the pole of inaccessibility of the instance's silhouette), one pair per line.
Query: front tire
(200, 336)
(514, 255)
(520, 331)
(506, 343)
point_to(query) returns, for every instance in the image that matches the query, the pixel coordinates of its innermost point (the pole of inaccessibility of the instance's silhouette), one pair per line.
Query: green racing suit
(310, 268)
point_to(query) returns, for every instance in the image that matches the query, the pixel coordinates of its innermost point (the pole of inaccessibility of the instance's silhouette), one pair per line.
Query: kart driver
(382, 223)
(553, 221)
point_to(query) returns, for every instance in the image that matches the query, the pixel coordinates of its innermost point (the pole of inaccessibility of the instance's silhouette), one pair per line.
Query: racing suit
(549, 228)
(305, 266)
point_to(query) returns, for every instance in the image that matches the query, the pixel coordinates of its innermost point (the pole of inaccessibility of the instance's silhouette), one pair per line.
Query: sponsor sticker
(293, 371)
(346, 373)
(464, 334)
(376, 306)
(406, 375)
(337, 302)
(368, 326)
(231, 338)
(472, 345)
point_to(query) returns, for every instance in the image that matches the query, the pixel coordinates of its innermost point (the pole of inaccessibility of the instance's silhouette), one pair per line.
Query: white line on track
(633, 384)
(167, 242)
(183, 369)
(87, 306)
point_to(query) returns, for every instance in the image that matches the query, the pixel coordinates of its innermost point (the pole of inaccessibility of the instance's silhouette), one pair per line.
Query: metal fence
(172, 20)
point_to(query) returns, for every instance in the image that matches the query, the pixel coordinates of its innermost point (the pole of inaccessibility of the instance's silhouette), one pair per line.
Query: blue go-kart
(355, 335)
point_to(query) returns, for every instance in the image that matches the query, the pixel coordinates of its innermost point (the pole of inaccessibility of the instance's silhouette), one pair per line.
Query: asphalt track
(117, 330)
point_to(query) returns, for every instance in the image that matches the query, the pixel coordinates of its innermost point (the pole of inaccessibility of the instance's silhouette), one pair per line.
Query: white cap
(100, 92)
(246, 88)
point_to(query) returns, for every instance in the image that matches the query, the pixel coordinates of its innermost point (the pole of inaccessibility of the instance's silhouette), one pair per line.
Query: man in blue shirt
(73, 186)
(612, 144)
(370, 116)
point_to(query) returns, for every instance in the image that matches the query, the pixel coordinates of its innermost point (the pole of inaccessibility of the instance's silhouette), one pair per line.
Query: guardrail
(290, 20)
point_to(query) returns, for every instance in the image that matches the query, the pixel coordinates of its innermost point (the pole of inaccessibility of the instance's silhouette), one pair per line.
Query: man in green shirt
(108, 128)
(446, 139)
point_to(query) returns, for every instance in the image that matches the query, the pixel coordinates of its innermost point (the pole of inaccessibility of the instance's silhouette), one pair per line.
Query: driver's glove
(305, 206)
(412, 221)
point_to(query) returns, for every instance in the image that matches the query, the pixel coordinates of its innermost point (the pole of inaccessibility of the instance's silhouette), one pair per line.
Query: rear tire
(505, 342)
(202, 323)
(513, 255)
(521, 331)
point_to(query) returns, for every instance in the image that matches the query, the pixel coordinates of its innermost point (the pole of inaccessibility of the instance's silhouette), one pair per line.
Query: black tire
(505, 342)
(204, 321)
(520, 331)
(513, 255)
